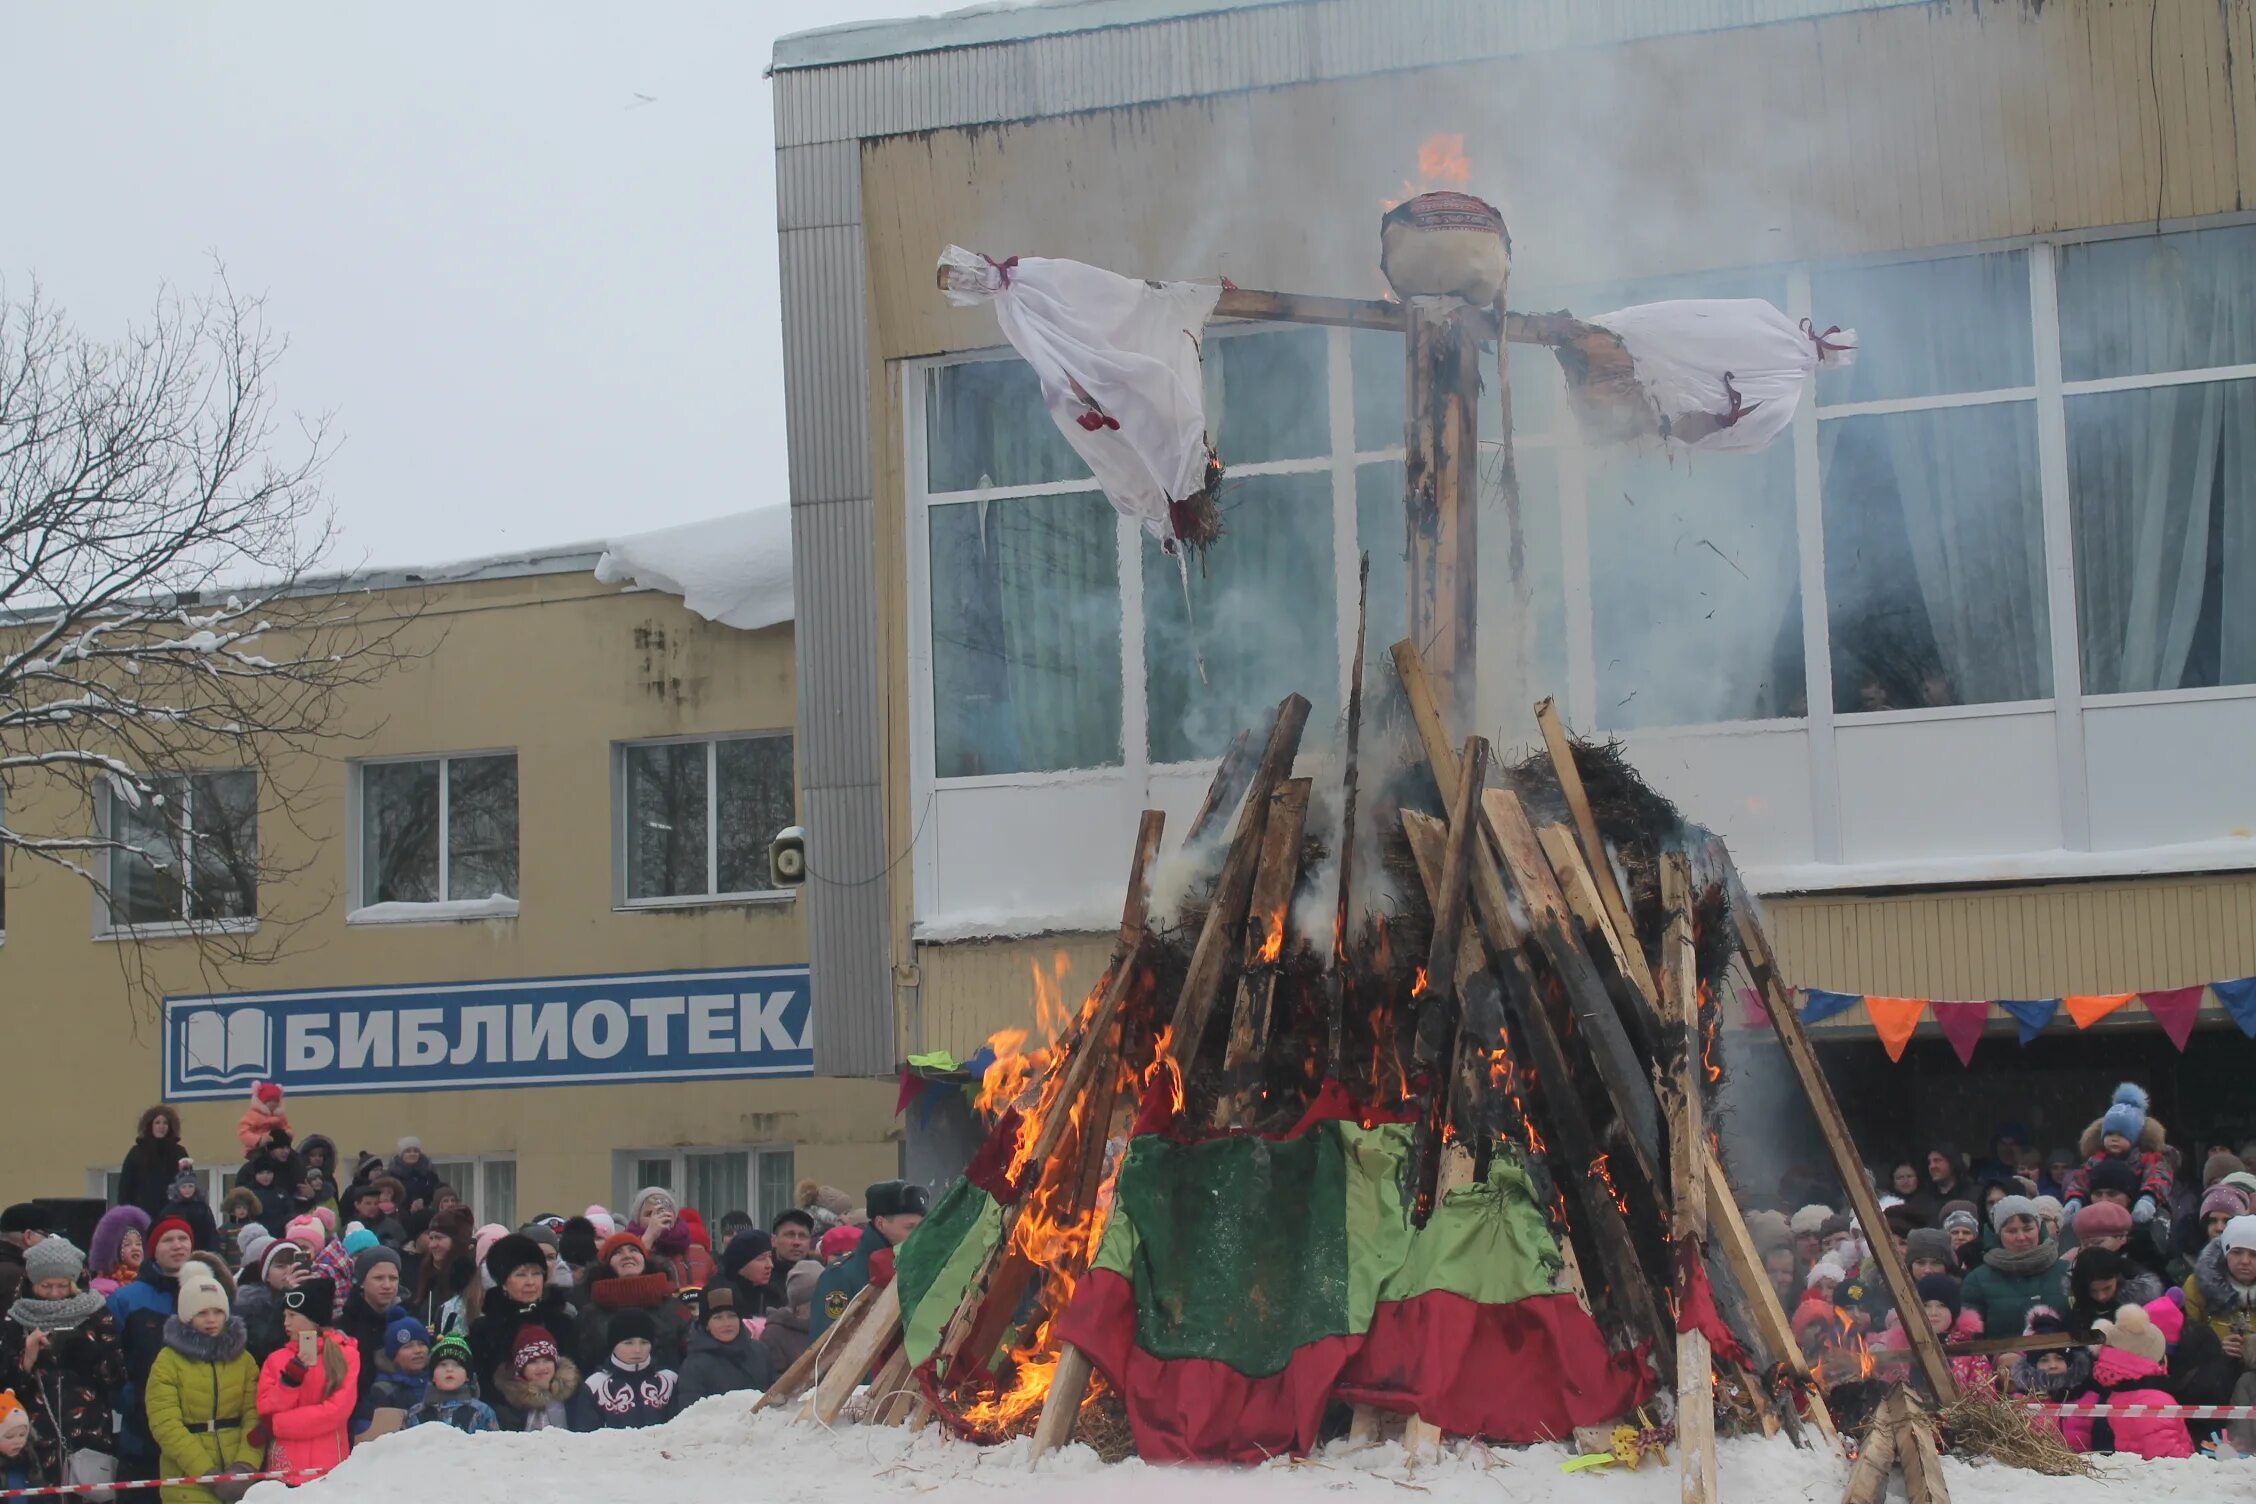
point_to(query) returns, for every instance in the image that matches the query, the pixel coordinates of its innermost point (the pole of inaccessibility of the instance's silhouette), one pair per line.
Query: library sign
(545, 1031)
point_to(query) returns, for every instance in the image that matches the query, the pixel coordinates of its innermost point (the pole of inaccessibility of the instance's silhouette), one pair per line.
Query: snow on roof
(980, 25)
(735, 570)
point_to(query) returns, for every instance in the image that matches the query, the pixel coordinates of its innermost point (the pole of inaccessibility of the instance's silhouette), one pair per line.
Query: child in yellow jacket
(202, 1392)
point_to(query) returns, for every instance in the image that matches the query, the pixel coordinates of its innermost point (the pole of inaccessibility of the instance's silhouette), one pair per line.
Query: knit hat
(577, 1243)
(1768, 1228)
(2098, 1263)
(2049, 1208)
(410, 1142)
(186, 1183)
(631, 1323)
(358, 1240)
(533, 1344)
(617, 1241)
(2243, 1179)
(2229, 1199)
(2219, 1164)
(2169, 1317)
(1942, 1290)
(53, 1258)
(200, 1291)
(252, 1242)
(2133, 1331)
(307, 1233)
(267, 1094)
(2117, 1175)
(1827, 1268)
(2009, 1207)
(649, 1193)
(744, 1248)
(511, 1252)
(2044, 1321)
(276, 1248)
(402, 1330)
(1961, 1219)
(14, 1418)
(371, 1258)
(720, 1300)
(2102, 1219)
(2127, 1113)
(2240, 1232)
(799, 1284)
(840, 1240)
(604, 1223)
(1927, 1243)
(326, 1217)
(452, 1348)
(314, 1298)
(170, 1224)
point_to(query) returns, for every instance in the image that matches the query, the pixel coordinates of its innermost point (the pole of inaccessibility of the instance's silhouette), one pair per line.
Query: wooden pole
(800, 1376)
(1926, 1349)
(1771, 1321)
(1876, 1459)
(1230, 779)
(1069, 1386)
(1338, 980)
(1918, 1456)
(1695, 1364)
(1586, 826)
(1267, 932)
(847, 1368)
(1441, 497)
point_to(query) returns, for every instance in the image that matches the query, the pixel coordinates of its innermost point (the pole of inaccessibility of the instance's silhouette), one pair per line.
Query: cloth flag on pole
(1962, 1025)
(2239, 999)
(1819, 1005)
(1245, 1283)
(2033, 1015)
(2090, 1009)
(2174, 1010)
(1757, 1014)
(1894, 1019)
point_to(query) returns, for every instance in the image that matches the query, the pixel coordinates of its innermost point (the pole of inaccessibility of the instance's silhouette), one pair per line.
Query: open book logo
(225, 1047)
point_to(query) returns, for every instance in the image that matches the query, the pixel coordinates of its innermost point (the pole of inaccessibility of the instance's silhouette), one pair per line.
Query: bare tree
(160, 618)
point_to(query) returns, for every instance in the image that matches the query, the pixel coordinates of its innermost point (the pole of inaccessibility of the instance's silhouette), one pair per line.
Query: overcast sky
(539, 309)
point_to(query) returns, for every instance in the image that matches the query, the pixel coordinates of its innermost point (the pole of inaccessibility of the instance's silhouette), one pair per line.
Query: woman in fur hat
(520, 1296)
(203, 1394)
(145, 1179)
(59, 1350)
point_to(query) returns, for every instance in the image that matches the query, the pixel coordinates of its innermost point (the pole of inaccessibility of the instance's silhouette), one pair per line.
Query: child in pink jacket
(262, 1117)
(2129, 1372)
(309, 1385)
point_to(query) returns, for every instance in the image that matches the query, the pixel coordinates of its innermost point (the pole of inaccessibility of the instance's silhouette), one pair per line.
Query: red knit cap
(170, 1224)
(533, 1344)
(617, 1241)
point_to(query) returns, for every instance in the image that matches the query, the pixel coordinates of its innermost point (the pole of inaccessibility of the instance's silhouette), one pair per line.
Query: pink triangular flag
(2174, 1010)
(1757, 1016)
(1962, 1026)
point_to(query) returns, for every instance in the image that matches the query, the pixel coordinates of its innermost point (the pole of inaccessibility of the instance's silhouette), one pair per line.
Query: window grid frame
(2048, 396)
(622, 899)
(106, 924)
(624, 1184)
(356, 844)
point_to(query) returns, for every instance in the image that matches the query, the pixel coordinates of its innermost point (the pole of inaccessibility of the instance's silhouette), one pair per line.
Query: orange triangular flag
(1893, 1019)
(2087, 1011)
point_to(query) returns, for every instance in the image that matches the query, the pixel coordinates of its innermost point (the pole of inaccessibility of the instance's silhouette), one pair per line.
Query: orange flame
(1442, 163)
(1273, 947)
(1602, 1167)
(1418, 987)
(1708, 1040)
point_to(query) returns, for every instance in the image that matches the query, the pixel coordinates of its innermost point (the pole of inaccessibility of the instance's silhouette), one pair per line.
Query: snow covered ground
(720, 1451)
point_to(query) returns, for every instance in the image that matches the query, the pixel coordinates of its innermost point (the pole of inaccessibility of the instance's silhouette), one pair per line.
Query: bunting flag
(1757, 1014)
(2034, 1015)
(2174, 1010)
(1894, 1019)
(2239, 999)
(1962, 1026)
(1819, 1005)
(2090, 1009)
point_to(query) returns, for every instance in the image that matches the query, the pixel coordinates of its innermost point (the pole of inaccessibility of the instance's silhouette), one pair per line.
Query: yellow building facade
(580, 733)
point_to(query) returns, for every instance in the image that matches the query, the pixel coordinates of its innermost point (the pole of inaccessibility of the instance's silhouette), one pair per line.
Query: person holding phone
(308, 1388)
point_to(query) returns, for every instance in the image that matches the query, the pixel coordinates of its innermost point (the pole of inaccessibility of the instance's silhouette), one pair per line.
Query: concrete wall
(559, 668)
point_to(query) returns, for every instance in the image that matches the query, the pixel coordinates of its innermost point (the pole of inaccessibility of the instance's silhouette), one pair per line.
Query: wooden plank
(1421, 1440)
(1876, 1459)
(1435, 1011)
(1834, 1129)
(1441, 496)
(1069, 1386)
(1230, 779)
(1610, 894)
(1337, 978)
(1695, 1365)
(889, 1385)
(1363, 1427)
(800, 1376)
(1917, 1455)
(845, 1371)
(1225, 915)
(1268, 920)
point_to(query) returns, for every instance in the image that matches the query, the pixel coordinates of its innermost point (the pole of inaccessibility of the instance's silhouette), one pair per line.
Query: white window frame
(356, 830)
(105, 925)
(1579, 694)
(711, 740)
(475, 1193)
(624, 1184)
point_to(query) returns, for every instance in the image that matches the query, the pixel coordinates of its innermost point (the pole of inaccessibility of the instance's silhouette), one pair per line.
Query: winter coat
(203, 1400)
(1972, 1370)
(310, 1156)
(2125, 1378)
(785, 1337)
(310, 1422)
(421, 1182)
(2001, 1301)
(430, 1291)
(203, 1227)
(365, 1325)
(640, 1292)
(261, 1310)
(2145, 1157)
(104, 1252)
(252, 1128)
(141, 1310)
(389, 1400)
(151, 1165)
(493, 1336)
(2213, 1297)
(618, 1398)
(277, 1203)
(72, 1387)
(462, 1410)
(847, 1278)
(690, 1266)
(518, 1406)
(716, 1367)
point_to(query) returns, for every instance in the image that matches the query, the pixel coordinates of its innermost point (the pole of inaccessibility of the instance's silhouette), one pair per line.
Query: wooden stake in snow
(1695, 1365)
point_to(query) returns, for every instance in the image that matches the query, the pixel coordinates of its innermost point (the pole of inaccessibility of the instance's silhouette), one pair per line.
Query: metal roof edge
(983, 25)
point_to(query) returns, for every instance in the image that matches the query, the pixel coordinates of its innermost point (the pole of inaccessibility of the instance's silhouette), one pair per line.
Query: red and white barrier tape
(2134, 1412)
(72, 1490)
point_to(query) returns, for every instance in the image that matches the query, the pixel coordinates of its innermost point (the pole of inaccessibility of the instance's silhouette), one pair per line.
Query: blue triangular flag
(1819, 1005)
(2239, 999)
(2033, 1017)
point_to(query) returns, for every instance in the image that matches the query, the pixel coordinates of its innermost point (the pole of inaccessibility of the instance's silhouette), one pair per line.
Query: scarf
(2027, 1264)
(674, 1240)
(631, 1292)
(32, 1313)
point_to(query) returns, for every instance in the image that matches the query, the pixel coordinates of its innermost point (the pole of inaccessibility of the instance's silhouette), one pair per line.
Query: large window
(186, 849)
(759, 1181)
(438, 829)
(487, 1181)
(697, 817)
